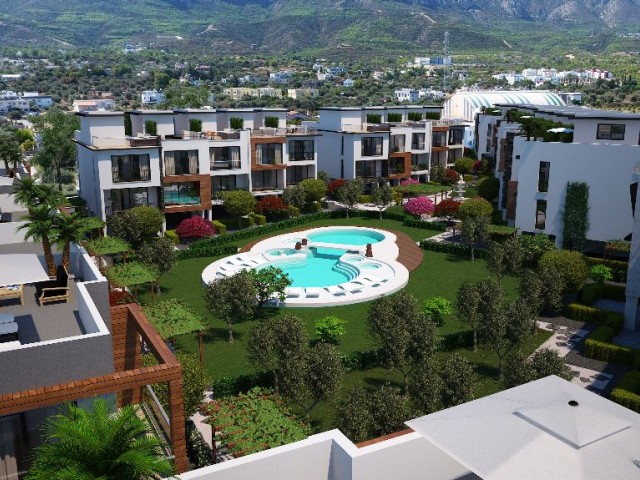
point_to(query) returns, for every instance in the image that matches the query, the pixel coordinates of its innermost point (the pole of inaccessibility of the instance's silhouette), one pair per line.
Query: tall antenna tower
(446, 73)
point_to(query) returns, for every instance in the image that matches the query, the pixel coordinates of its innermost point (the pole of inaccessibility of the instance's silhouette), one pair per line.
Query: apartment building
(601, 151)
(392, 142)
(161, 162)
(69, 351)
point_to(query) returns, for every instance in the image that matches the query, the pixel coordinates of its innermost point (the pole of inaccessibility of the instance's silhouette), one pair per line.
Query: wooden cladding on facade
(512, 194)
(264, 141)
(406, 156)
(204, 183)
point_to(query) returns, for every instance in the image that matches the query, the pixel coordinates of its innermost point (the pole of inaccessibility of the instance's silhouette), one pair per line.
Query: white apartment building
(407, 95)
(603, 153)
(93, 105)
(371, 142)
(632, 310)
(298, 93)
(23, 101)
(163, 163)
(152, 97)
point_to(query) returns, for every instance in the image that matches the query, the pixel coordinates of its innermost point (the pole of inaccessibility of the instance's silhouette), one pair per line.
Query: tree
(505, 258)
(39, 227)
(159, 253)
(195, 227)
(277, 345)
(474, 230)
(314, 189)
(426, 386)
(447, 208)
(542, 290)
(238, 203)
(9, 150)
(519, 369)
(349, 194)
(505, 330)
(136, 225)
(353, 415)
(464, 165)
(570, 264)
(57, 148)
(232, 299)
(419, 206)
(382, 197)
(30, 194)
(534, 246)
(295, 196)
(183, 95)
(272, 207)
(488, 188)
(475, 301)
(474, 208)
(458, 380)
(67, 229)
(405, 334)
(270, 281)
(328, 329)
(81, 443)
(436, 308)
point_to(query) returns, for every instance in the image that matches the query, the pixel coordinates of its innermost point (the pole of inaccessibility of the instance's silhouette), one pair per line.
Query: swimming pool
(317, 267)
(357, 237)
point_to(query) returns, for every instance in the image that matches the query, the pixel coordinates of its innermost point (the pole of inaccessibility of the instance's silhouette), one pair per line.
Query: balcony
(302, 156)
(281, 132)
(115, 209)
(418, 146)
(379, 128)
(226, 165)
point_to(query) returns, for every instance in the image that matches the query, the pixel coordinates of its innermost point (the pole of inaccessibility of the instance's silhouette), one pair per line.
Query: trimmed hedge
(452, 248)
(591, 292)
(500, 233)
(221, 228)
(246, 222)
(435, 226)
(259, 219)
(230, 386)
(208, 251)
(598, 346)
(618, 268)
(627, 391)
(171, 234)
(584, 313)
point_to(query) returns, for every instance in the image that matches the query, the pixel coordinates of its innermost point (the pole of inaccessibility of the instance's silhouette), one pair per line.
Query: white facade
(298, 93)
(631, 310)
(106, 104)
(152, 97)
(407, 95)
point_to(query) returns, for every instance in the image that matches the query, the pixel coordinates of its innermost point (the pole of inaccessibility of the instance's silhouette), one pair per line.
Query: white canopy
(18, 269)
(547, 429)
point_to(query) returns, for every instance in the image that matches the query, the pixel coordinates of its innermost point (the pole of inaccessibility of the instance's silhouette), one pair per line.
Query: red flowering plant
(450, 177)
(419, 206)
(334, 186)
(195, 227)
(409, 181)
(272, 207)
(447, 208)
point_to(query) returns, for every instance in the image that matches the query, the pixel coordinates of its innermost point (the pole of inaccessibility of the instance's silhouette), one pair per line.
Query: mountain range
(321, 26)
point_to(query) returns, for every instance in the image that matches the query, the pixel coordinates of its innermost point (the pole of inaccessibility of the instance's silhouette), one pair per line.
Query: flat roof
(100, 113)
(390, 107)
(546, 429)
(575, 112)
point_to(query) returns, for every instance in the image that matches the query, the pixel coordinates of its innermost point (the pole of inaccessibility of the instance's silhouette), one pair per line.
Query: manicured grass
(439, 275)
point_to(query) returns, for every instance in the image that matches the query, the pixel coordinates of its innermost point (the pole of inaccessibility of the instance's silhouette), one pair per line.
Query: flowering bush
(418, 206)
(195, 227)
(447, 208)
(477, 166)
(450, 177)
(271, 206)
(409, 181)
(334, 186)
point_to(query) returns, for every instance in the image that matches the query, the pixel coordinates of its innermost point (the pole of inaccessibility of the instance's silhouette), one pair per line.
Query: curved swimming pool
(357, 237)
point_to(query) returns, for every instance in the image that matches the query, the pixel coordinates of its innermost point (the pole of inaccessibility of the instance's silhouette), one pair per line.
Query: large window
(298, 173)
(125, 198)
(371, 146)
(372, 169)
(541, 214)
(130, 168)
(224, 158)
(417, 141)
(269, 154)
(456, 136)
(397, 143)
(610, 131)
(181, 162)
(223, 183)
(439, 139)
(543, 176)
(266, 180)
(187, 193)
(301, 150)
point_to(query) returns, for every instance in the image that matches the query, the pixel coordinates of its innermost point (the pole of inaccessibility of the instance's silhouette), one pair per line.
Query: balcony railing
(226, 165)
(301, 157)
(417, 146)
(281, 132)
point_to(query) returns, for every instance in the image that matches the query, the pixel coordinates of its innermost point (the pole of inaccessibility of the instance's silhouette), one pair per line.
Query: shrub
(236, 123)
(534, 247)
(575, 216)
(449, 177)
(488, 188)
(314, 189)
(475, 207)
(436, 308)
(418, 206)
(272, 206)
(219, 227)
(627, 390)
(328, 329)
(394, 117)
(195, 125)
(173, 236)
(594, 291)
(599, 347)
(195, 227)
(259, 219)
(432, 115)
(618, 268)
(409, 181)
(366, 199)
(571, 265)
(453, 248)
(374, 118)
(239, 202)
(464, 165)
(584, 313)
(334, 186)
(150, 127)
(447, 208)
(246, 222)
(271, 122)
(120, 297)
(600, 273)
(414, 116)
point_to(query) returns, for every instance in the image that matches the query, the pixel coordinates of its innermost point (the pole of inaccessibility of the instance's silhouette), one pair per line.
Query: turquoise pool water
(319, 269)
(356, 237)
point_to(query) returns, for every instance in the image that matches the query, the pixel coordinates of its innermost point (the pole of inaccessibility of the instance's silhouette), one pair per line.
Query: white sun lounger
(312, 292)
(369, 282)
(353, 287)
(335, 290)
(373, 278)
(294, 292)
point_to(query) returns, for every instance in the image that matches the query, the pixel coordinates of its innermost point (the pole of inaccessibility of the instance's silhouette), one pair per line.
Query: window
(123, 199)
(541, 214)
(130, 168)
(365, 169)
(417, 141)
(223, 183)
(456, 136)
(181, 162)
(298, 173)
(610, 131)
(397, 143)
(224, 158)
(301, 150)
(371, 147)
(269, 154)
(186, 193)
(265, 180)
(543, 176)
(439, 139)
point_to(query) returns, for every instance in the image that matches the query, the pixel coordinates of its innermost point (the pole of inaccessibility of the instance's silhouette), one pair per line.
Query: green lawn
(440, 274)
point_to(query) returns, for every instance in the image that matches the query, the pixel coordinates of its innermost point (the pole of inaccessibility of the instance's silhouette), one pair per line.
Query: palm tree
(31, 194)
(81, 444)
(39, 227)
(67, 229)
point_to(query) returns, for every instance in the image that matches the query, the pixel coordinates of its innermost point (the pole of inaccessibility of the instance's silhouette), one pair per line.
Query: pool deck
(410, 256)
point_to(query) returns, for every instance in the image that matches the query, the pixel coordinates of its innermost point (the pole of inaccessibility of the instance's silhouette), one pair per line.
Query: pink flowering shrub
(418, 206)
(409, 181)
(195, 227)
